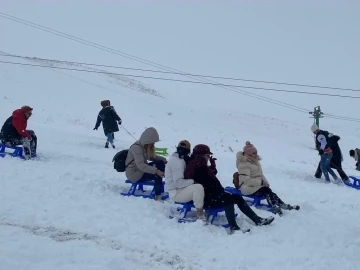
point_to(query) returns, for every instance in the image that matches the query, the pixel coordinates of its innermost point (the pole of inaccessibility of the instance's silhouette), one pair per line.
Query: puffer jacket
(251, 177)
(137, 158)
(174, 175)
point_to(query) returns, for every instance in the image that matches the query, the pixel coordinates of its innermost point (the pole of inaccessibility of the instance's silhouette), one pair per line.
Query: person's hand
(212, 162)
(119, 122)
(321, 152)
(160, 174)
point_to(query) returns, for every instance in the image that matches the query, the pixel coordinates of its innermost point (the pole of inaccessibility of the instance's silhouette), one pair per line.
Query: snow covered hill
(64, 211)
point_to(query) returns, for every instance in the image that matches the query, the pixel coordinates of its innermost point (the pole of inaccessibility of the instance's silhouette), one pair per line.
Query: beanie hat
(352, 153)
(202, 149)
(185, 144)
(314, 128)
(249, 149)
(26, 109)
(105, 103)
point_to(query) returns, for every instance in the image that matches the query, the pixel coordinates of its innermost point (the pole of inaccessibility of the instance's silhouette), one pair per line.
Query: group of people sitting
(189, 178)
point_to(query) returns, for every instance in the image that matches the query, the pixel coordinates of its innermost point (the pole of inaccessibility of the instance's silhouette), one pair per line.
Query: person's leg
(245, 208)
(325, 162)
(110, 140)
(193, 193)
(328, 157)
(33, 142)
(318, 172)
(158, 185)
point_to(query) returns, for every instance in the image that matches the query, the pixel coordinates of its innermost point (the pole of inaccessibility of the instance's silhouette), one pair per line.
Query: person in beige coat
(138, 169)
(251, 180)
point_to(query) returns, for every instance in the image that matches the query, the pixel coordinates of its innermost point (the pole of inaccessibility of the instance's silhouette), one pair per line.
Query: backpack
(119, 160)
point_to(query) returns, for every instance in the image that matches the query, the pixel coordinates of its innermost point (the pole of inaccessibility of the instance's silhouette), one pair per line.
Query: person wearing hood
(14, 131)
(215, 195)
(137, 167)
(179, 188)
(110, 121)
(251, 180)
(355, 154)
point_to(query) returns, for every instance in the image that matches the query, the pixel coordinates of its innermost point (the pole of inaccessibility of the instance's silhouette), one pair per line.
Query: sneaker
(265, 221)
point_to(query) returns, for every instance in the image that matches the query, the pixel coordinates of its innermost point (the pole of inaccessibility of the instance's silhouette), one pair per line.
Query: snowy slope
(63, 211)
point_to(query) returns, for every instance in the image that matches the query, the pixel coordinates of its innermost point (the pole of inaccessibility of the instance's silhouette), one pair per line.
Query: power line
(189, 74)
(184, 81)
(113, 51)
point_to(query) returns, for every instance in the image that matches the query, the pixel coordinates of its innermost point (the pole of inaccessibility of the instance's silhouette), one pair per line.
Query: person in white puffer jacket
(181, 189)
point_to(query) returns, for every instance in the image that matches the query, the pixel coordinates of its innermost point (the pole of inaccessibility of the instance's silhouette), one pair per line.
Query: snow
(64, 211)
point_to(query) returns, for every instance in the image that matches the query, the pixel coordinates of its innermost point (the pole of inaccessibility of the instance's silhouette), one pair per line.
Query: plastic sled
(251, 200)
(15, 151)
(355, 184)
(137, 190)
(211, 213)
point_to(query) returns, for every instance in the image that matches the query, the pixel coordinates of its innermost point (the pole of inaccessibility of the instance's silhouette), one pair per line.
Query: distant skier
(110, 120)
(14, 132)
(323, 145)
(336, 160)
(356, 154)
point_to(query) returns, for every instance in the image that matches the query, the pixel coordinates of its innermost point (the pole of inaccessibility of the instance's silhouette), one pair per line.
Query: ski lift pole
(316, 114)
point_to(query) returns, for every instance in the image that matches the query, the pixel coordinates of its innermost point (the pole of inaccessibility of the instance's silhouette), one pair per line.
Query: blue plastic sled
(251, 199)
(16, 151)
(355, 184)
(137, 190)
(212, 213)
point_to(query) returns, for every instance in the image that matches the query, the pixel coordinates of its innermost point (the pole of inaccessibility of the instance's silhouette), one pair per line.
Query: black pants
(334, 165)
(271, 197)
(32, 146)
(231, 199)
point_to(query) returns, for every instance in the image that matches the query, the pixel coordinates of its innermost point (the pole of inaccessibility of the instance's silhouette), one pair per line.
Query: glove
(212, 162)
(321, 152)
(119, 122)
(95, 128)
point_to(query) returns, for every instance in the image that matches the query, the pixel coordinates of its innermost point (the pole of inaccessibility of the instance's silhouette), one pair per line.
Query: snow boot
(200, 215)
(158, 198)
(107, 145)
(289, 207)
(113, 145)
(347, 181)
(277, 210)
(264, 221)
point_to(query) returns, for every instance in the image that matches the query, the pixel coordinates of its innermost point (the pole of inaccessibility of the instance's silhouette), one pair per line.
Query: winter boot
(264, 221)
(107, 145)
(200, 215)
(230, 216)
(113, 145)
(347, 181)
(158, 198)
(277, 210)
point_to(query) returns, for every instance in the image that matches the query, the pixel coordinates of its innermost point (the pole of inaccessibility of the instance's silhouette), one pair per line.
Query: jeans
(110, 137)
(158, 186)
(325, 166)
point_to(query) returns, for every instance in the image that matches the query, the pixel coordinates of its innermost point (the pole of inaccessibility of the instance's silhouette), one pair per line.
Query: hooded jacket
(251, 177)
(15, 126)
(137, 158)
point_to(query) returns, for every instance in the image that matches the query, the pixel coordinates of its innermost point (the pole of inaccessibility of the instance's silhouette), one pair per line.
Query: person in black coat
(110, 121)
(336, 160)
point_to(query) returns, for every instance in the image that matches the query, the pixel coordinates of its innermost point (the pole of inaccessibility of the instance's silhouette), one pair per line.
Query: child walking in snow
(110, 120)
(251, 180)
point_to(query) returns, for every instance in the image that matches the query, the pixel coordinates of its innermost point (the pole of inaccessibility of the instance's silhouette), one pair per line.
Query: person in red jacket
(14, 131)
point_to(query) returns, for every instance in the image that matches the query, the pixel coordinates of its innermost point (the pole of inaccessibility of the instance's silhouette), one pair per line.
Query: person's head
(250, 150)
(183, 148)
(202, 150)
(148, 139)
(27, 110)
(352, 153)
(314, 128)
(105, 103)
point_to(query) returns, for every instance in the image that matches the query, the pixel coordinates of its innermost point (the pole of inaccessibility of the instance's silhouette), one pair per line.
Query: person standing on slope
(335, 161)
(356, 154)
(14, 132)
(215, 194)
(137, 167)
(179, 188)
(110, 120)
(322, 139)
(250, 180)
